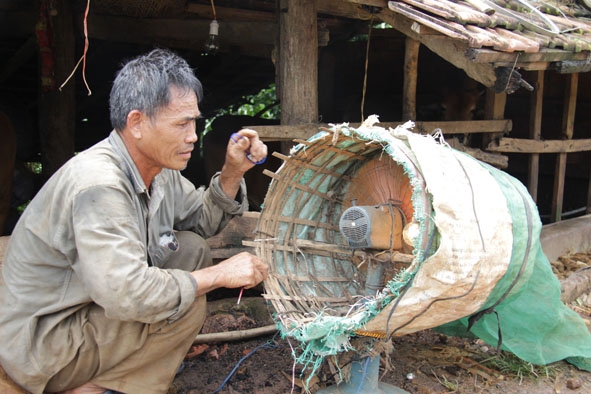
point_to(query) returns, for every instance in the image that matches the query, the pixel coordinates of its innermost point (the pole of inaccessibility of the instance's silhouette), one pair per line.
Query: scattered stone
(574, 383)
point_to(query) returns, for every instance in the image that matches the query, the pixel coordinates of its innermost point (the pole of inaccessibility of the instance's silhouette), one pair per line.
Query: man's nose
(192, 137)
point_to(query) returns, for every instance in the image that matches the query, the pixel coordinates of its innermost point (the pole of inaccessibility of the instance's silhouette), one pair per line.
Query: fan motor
(374, 227)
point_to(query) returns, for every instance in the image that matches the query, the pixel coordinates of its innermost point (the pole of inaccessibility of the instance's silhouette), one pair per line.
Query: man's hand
(244, 151)
(241, 270)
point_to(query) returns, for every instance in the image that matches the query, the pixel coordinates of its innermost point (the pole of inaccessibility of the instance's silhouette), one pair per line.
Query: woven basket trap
(312, 269)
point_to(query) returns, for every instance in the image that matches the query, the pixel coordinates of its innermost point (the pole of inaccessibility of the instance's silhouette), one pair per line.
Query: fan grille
(355, 226)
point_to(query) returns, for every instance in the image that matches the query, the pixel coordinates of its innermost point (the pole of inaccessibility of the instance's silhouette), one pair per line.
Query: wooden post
(409, 89)
(57, 108)
(494, 109)
(568, 121)
(535, 132)
(298, 62)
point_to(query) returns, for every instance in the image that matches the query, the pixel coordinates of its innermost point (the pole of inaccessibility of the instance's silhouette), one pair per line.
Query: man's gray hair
(143, 84)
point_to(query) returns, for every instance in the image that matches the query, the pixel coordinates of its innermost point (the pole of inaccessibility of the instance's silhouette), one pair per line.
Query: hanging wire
(83, 57)
(366, 67)
(213, 9)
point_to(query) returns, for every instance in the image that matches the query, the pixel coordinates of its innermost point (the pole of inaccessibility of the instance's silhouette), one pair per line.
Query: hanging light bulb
(211, 46)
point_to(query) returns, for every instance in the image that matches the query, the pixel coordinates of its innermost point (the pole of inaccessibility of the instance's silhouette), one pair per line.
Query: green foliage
(35, 167)
(511, 365)
(382, 25)
(263, 104)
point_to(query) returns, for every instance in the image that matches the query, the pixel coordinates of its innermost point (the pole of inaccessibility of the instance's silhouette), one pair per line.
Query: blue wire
(264, 345)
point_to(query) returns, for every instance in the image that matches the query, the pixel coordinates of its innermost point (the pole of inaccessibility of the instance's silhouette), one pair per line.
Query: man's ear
(135, 120)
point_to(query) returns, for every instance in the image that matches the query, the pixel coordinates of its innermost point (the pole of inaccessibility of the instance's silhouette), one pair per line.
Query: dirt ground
(425, 362)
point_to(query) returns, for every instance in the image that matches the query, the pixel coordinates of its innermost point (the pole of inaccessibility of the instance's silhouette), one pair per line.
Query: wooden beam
(531, 66)
(558, 188)
(570, 105)
(298, 62)
(452, 50)
(230, 14)
(305, 131)
(352, 9)
(372, 3)
(535, 133)
(176, 33)
(409, 88)
(230, 240)
(519, 59)
(568, 121)
(494, 159)
(521, 145)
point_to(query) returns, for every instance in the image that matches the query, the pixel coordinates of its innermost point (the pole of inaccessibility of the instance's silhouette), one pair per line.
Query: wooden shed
(332, 61)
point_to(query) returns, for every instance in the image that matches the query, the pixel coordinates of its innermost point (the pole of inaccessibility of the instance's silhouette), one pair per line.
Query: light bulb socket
(214, 28)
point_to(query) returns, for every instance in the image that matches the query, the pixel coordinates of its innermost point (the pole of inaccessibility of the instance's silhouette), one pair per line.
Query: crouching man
(106, 272)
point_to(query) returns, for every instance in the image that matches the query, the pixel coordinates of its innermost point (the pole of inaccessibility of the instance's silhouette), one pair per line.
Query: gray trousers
(134, 357)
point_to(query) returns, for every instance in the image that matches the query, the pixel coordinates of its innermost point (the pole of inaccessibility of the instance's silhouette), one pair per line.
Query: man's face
(169, 137)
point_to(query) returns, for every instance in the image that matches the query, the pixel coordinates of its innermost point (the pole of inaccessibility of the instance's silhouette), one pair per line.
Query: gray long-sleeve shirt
(95, 234)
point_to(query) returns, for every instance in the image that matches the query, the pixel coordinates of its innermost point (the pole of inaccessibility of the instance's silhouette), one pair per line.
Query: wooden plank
(568, 121)
(371, 3)
(240, 228)
(522, 145)
(494, 159)
(305, 131)
(346, 9)
(205, 11)
(175, 32)
(535, 133)
(531, 66)
(546, 55)
(409, 88)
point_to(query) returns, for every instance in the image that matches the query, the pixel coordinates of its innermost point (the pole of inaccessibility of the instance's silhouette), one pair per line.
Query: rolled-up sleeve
(187, 292)
(208, 211)
(228, 205)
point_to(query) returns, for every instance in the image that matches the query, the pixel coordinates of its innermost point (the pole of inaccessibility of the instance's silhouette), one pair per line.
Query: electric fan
(371, 233)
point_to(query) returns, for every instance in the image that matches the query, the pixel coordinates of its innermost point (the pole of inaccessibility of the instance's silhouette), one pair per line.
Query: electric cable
(267, 345)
